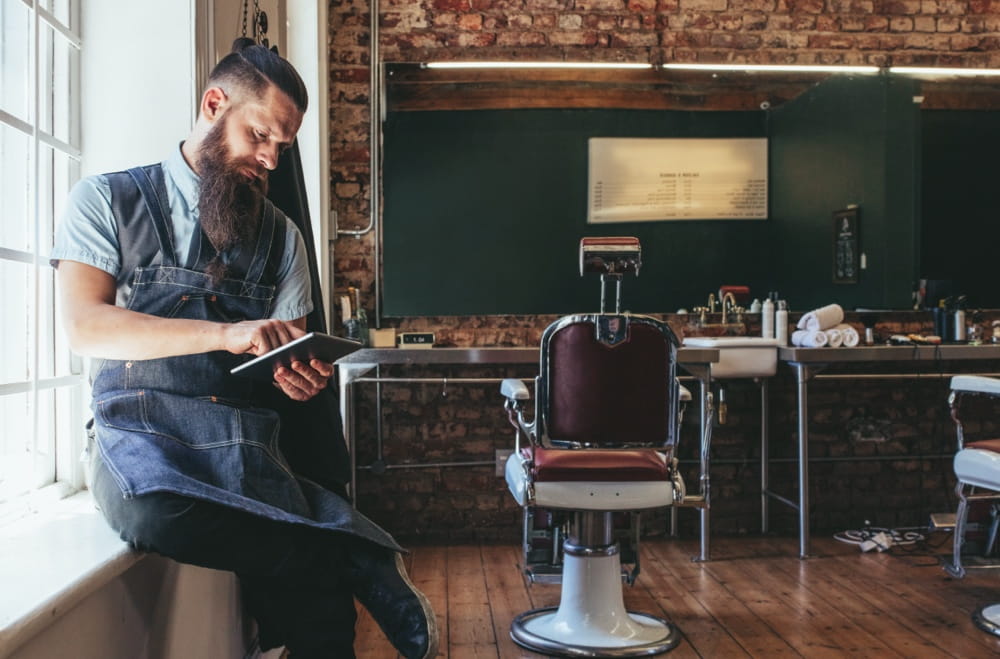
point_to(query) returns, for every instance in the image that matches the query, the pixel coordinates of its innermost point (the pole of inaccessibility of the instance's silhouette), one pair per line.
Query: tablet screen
(314, 345)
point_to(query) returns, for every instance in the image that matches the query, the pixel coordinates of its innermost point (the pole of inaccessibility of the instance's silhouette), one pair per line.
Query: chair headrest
(614, 255)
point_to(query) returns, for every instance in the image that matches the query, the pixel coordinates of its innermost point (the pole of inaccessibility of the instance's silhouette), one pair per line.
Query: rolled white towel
(851, 336)
(823, 318)
(834, 337)
(808, 339)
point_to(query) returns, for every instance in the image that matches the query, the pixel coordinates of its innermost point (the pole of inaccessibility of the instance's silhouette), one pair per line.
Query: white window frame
(137, 116)
(54, 444)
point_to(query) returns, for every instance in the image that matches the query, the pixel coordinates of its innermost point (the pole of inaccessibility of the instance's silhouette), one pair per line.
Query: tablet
(314, 345)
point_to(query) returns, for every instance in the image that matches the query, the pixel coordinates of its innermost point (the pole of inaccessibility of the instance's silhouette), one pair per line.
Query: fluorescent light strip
(783, 68)
(941, 71)
(537, 65)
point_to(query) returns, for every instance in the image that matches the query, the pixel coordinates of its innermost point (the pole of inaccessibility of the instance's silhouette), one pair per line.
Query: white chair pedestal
(976, 468)
(987, 618)
(591, 620)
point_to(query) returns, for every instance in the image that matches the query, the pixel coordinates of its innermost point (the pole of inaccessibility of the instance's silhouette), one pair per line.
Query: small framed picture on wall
(846, 246)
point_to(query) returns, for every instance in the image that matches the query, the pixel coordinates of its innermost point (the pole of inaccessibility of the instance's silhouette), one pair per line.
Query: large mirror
(486, 192)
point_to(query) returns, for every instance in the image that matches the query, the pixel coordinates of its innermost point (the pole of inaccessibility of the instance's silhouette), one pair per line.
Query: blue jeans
(291, 576)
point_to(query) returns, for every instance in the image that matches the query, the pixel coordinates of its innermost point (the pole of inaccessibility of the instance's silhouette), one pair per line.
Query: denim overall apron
(184, 424)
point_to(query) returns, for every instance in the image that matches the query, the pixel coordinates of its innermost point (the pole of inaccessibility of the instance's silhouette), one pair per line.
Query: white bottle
(767, 319)
(781, 323)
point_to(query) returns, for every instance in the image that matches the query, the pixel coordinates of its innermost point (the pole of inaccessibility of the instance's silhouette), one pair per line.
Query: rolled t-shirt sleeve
(88, 232)
(293, 295)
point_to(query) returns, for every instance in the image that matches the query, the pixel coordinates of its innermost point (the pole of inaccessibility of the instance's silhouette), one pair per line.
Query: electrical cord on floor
(911, 542)
(881, 539)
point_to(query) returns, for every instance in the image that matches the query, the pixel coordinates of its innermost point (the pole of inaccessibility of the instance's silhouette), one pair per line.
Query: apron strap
(156, 200)
(265, 238)
(200, 251)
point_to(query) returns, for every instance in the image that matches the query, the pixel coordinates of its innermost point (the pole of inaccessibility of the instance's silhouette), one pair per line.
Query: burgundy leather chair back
(613, 391)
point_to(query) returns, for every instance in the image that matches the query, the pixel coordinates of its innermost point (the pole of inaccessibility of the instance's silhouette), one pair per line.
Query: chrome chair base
(652, 636)
(987, 618)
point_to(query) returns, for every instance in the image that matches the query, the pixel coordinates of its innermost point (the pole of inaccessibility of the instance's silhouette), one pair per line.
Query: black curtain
(325, 461)
(287, 191)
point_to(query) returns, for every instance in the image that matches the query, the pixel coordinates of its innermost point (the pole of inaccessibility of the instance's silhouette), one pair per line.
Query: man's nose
(267, 155)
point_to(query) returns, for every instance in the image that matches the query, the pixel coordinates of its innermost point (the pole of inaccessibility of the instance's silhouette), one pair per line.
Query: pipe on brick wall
(374, 155)
(722, 461)
(927, 375)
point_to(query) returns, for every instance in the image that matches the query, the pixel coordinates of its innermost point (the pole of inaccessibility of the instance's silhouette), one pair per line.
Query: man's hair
(251, 68)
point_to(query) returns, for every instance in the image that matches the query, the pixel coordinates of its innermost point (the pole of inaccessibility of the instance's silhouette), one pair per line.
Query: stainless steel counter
(809, 362)
(944, 352)
(361, 360)
(353, 369)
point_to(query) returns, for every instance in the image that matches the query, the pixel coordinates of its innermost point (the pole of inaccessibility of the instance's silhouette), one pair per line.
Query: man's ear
(213, 102)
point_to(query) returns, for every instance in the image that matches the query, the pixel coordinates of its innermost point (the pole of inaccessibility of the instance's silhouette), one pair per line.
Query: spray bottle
(781, 323)
(767, 318)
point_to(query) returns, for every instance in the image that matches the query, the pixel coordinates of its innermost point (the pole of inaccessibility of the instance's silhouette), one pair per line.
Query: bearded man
(171, 274)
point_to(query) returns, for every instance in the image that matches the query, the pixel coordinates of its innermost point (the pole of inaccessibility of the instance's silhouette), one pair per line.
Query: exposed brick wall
(464, 503)
(880, 449)
(878, 32)
(880, 452)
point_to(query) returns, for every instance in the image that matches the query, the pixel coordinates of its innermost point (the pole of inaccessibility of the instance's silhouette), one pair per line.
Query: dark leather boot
(379, 581)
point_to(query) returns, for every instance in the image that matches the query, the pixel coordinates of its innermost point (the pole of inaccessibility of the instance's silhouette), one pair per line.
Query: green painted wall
(961, 213)
(846, 141)
(484, 210)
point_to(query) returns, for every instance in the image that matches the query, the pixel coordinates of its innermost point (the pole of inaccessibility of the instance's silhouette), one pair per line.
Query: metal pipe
(801, 378)
(348, 420)
(705, 482)
(893, 376)
(784, 500)
(378, 411)
(728, 461)
(441, 380)
(764, 455)
(428, 465)
(841, 458)
(374, 153)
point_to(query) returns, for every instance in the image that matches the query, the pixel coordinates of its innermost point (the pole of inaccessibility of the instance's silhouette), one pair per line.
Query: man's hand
(300, 382)
(303, 381)
(259, 336)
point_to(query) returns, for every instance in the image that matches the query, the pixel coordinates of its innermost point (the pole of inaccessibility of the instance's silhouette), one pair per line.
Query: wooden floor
(755, 598)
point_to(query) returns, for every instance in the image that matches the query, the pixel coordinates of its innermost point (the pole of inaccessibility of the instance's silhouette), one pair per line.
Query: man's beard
(229, 205)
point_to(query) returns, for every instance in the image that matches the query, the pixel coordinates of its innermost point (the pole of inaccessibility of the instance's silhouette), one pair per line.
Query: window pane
(15, 58)
(22, 467)
(56, 172)
(16, 305)
(58, 61)
(15, 191)
(60, 9)
(64, 172)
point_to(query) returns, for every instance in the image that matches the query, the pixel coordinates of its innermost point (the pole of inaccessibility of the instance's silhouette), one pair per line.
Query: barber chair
(599, 449)
(977, 470)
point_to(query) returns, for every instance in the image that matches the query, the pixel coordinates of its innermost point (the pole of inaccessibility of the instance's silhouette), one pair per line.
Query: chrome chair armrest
(516, 392)
(514, 389)
(972, 385)
(976, 384)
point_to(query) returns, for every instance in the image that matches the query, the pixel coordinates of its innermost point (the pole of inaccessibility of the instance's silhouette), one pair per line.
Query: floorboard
(755, 598)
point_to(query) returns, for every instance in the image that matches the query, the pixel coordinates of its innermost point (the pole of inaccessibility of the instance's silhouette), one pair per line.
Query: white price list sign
(646, 179)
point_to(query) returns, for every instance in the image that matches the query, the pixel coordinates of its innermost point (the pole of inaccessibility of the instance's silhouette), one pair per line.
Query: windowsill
(51, 561)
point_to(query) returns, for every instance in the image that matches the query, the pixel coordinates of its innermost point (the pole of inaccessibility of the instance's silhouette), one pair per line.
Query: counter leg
(704, 465)
(801, 377)
(347, 410)
(765, 455)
